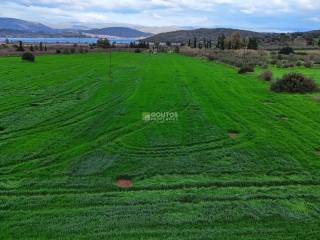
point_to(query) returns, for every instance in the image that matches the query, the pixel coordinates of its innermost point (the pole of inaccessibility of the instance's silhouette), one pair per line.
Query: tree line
(40, 47)
(234, 41)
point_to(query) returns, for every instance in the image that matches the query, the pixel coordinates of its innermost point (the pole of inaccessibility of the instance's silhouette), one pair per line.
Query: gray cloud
(161, 12)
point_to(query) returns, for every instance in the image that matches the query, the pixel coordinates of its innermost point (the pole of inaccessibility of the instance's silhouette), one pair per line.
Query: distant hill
(12, 25)
(17, 27)
(312, 34)
(208, 34)
(122, 32)
(11, 32)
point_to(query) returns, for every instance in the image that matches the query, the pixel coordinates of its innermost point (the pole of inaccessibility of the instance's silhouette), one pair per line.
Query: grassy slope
(68, 132)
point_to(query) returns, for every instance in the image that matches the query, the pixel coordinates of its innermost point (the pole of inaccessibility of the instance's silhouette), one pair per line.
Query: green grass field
(239, 162)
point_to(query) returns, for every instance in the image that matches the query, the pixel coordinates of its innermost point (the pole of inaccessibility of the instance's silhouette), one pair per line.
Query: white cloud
(315, 19)
(153, 12)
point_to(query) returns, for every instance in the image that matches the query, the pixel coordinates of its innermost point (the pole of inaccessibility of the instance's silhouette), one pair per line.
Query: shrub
(177, 49)
(308, 64)
(238, 64)
(295, 83)
(103, 43)
(72, 50)
(286, 51)
(211, 57)
(245, 69)
(66, 51)
(302, 53)
(273, 61)
(28, 57)
(266, 75)
(137, 50)
(285, 65)
(231, 57)
(299, 64)
(58, 51)
(20, 48)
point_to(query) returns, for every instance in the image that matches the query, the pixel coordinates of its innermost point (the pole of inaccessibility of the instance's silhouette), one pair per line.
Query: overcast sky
(261, 15)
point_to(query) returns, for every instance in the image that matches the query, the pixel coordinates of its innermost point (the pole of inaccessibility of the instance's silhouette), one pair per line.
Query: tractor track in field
(181, 150)
(57, 93)
(172, 147)
(68, 81)
(31, 88)
(74, 119)
(50, 97)
(184, 199)
(171, 187)
(130, 150)
(107, 138)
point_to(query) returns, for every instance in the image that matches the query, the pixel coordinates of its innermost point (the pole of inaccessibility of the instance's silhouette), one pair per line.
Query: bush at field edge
(294, 83)
(28, 57)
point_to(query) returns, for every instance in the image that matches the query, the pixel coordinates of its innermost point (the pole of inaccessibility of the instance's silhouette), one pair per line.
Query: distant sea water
(64, 40)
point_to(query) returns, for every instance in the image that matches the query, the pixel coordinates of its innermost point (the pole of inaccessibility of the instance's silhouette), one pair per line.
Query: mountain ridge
(123, 32)
(14, 26)
(25, 26)
(203, 33)
(213, 34)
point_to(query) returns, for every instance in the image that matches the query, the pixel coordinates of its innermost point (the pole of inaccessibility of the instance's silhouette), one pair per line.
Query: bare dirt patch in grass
(268, 102)
(124, 183)
(317, 98)
(283, 117)
(233, 134)
(317, 151)
(35, 104)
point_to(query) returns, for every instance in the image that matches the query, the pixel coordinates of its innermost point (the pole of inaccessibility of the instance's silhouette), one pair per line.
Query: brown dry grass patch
(317, 151)
(233, 134)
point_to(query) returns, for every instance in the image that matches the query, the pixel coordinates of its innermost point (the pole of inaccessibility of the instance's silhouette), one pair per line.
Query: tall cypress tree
(20, 48)
(252, 43)
(221, 41)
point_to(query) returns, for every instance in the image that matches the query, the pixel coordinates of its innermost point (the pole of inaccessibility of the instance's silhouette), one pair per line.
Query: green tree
(309, 41)
(235, 40)
(103, 43)
(227, 43)
(284, 38)
(41, 46)
(31, 48)
(286, 51)
(221, 42)
(195, 42)
(252, 43)
(20, 48)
